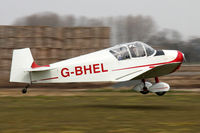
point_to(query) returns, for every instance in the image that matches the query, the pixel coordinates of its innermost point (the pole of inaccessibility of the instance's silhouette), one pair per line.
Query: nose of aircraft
(180, 57)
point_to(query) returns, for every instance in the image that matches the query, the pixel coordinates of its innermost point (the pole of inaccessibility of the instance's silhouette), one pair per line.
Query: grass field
(172, 113)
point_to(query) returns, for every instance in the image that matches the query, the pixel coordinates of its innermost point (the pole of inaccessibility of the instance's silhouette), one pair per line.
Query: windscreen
(136, 50)
(120, 53)
(150, 51)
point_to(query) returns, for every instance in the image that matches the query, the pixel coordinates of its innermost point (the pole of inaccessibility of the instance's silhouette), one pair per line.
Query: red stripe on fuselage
(48, 78)
(178, 59)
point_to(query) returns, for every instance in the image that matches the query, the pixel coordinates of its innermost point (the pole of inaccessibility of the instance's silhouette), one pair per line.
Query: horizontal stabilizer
(39, 69)
(36, 67)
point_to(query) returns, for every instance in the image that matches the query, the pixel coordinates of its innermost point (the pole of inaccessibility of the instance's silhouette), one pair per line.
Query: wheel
(145, 88)
(144, 92)
(24, 90)
(161, 93)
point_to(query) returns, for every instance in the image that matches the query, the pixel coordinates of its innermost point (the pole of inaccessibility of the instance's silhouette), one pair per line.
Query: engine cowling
(159, 87)
(139, 87)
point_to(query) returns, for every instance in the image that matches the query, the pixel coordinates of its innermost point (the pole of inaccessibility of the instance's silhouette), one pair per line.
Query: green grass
(102, 114)
(125, 90)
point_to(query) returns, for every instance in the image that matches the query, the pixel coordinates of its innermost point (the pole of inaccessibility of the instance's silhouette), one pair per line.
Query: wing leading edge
(133, 74)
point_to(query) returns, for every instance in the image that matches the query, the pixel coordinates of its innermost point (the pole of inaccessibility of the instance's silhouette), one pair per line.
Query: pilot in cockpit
(133, 50)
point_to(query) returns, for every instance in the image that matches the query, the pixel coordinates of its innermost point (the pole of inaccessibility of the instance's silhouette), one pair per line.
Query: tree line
(123, 29)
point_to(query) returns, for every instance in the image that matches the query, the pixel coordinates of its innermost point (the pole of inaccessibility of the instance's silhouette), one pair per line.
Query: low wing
(148, 72)
(131, 75)
(159, 70)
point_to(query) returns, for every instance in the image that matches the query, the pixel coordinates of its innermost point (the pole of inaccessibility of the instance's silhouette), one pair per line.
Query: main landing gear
(145, 90)
(160, 93)
(159, 88)
(24, 91)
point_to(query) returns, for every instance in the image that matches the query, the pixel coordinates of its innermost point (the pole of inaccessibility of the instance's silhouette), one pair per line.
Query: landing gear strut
(145, 90)
(25, 89)
(161, 93)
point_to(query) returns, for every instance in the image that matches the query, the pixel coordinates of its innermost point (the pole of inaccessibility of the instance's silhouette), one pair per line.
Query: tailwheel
(24, 91)
(161, 93)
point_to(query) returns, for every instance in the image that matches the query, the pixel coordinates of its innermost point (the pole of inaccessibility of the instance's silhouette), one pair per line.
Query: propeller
(184, 59)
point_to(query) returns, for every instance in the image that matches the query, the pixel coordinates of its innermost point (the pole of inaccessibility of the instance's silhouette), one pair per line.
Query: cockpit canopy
(132, 50)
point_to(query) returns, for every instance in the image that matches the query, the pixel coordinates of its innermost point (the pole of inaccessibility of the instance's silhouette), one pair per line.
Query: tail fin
(21, 60)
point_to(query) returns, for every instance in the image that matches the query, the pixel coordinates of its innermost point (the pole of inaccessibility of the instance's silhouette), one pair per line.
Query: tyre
(24, 91)
(144, 92)
(160, 93)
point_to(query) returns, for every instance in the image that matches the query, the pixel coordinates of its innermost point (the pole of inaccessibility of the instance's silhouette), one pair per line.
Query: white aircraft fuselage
(103, 66)
(130, 61)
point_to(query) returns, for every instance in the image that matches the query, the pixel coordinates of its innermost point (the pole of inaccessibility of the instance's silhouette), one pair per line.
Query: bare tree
(44, 19)
(68, 21)
(124, 28)
(82, 21)
(132, 28)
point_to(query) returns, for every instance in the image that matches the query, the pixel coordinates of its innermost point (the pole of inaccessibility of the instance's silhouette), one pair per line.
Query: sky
(180, 15)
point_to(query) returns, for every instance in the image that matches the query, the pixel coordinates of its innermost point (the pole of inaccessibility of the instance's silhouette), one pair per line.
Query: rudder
(21, 60)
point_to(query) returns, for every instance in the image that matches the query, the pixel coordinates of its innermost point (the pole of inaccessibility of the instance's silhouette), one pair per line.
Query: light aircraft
(120, 63)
